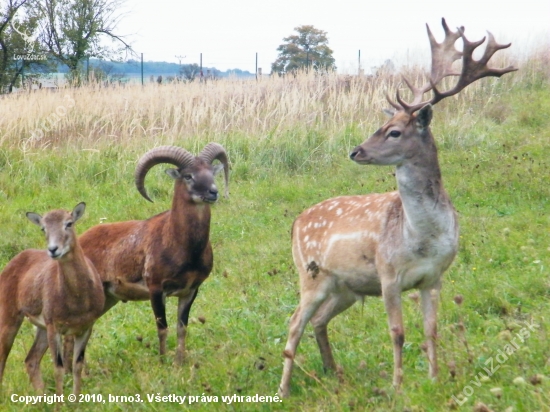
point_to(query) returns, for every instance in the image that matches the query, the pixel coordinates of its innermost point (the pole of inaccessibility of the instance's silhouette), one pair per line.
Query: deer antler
(443, 56)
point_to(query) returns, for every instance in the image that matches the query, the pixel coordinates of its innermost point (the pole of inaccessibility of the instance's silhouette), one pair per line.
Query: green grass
(496, 168)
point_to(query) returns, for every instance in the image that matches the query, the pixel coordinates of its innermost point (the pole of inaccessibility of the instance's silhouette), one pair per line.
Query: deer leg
(184, 307)
(309, 303)
(391, 293)
(68, 349)
(159, 309)
(54, 343)
(8, 331)
(430, 298)
(34, 357)
(80, 343)
(333, 306)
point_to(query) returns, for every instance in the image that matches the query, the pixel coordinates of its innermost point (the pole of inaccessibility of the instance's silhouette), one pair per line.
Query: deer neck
(426, 205)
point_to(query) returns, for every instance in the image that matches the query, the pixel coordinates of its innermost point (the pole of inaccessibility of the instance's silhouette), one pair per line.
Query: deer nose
(354, 152)
(52, 250)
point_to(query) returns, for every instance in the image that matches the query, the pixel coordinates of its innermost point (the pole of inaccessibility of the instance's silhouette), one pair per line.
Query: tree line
(43, 36)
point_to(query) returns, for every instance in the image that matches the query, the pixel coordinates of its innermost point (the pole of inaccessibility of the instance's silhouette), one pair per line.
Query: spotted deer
(349, 247)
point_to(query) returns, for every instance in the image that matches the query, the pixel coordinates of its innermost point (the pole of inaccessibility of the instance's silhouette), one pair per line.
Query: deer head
(405, 135)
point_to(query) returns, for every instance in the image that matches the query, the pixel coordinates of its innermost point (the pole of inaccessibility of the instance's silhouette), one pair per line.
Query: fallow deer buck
(349, 247)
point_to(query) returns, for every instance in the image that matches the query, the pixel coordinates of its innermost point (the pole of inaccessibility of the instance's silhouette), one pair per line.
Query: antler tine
(418, 92)
(444, 54)
(417, 99)
(473, 70)
(393, 104)
(492, 48)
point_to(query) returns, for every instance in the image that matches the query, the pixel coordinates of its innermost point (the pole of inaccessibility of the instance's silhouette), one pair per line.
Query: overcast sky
(230, 33)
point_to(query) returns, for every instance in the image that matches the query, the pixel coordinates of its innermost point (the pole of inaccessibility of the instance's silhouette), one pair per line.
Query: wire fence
(138, 70)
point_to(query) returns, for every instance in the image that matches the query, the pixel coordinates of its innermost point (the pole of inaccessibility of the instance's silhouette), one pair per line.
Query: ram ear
(173, 173)
(217, 168)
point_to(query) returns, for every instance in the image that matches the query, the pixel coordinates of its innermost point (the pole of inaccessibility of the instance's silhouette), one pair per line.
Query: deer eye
(69, 224)
(395, 133)
(188, 177)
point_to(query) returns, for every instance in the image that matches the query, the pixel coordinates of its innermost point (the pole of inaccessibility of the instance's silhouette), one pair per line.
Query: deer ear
(424, 117)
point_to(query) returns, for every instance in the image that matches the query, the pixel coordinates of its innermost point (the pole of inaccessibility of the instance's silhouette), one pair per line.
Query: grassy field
(288, 141)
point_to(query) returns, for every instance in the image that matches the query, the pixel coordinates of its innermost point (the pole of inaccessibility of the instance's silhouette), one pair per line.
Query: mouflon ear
(78, 211)
(34, 218)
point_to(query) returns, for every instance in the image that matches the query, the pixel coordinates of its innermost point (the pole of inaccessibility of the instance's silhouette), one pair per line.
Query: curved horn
(163, 154)
(215, 151)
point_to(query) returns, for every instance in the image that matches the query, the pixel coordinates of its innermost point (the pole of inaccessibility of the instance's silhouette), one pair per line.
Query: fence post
(142, 69)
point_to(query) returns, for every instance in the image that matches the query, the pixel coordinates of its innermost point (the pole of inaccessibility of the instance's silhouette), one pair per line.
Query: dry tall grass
(266, 109)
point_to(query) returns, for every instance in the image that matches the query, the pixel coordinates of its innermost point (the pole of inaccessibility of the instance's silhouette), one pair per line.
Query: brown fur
(167, 255)
(61, 297)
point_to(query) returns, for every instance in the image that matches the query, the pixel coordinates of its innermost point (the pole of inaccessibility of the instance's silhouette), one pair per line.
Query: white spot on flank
(338, 211)
(306, 238)
(311, 244)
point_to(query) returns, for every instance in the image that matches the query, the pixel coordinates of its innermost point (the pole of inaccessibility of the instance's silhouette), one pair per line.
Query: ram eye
(395, 133)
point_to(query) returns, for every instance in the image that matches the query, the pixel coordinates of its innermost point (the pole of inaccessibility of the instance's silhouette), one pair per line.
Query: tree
(188, 72)
(18, 43)
(308, 48)
(73, 30)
